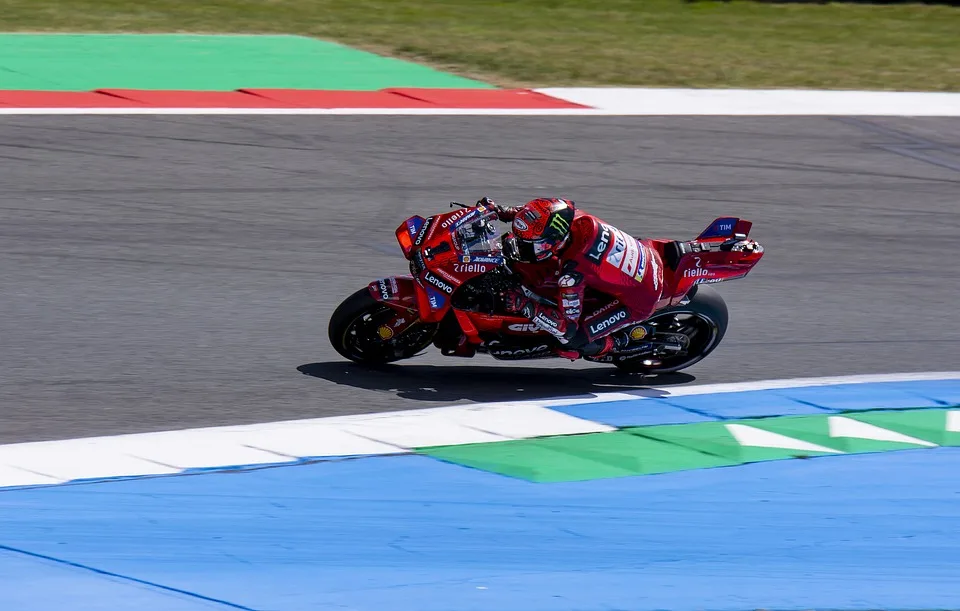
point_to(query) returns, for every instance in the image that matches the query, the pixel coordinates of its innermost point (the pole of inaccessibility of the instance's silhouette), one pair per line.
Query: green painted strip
(81, 62)
(577, 457)
(667, 448)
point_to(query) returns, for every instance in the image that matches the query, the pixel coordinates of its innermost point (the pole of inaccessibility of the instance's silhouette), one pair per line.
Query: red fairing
(398, 292)
(722, 252)
(439, 270)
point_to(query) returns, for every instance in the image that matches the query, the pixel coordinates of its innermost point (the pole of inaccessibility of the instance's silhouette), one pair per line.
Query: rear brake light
(406, 242)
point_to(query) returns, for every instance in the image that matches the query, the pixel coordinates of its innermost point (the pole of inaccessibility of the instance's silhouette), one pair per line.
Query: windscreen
(479, 234)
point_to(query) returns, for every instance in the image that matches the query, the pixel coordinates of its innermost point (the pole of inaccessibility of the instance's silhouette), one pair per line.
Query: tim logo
(720, 228)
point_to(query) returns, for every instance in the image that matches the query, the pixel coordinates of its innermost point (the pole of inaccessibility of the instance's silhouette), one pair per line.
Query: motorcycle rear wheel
(705, 320)
(353, 332)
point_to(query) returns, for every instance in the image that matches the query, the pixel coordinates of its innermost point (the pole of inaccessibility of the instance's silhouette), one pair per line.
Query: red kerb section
(484, 98)
(63, 99)
(502, 99)
(309, 98)
(193, 99)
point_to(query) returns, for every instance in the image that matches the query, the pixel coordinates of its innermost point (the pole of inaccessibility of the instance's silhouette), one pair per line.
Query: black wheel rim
(701, 331)
(362, 340)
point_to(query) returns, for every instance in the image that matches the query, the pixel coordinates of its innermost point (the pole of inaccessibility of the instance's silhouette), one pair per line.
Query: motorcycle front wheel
(353, 332)
(703, 321)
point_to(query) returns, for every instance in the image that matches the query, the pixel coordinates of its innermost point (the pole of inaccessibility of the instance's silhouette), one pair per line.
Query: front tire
(353, 332)
(706, 319)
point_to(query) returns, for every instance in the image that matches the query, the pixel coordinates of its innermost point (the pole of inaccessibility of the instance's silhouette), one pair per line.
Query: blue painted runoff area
(409, 533)
(831, 399)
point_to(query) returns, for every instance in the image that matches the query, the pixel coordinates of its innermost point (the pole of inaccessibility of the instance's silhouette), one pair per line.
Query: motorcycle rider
(550, 236)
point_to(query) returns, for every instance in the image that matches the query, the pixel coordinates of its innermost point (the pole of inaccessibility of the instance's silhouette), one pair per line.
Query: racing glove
(503, 213)
(545, 318)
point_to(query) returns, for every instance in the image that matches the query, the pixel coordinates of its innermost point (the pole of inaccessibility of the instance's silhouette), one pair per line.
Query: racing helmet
(541, 228)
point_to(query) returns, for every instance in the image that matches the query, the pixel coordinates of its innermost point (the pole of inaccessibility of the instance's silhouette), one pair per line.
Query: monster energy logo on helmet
(559, 223)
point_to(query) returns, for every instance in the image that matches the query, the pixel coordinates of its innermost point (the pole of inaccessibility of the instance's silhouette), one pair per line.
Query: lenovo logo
(600, 245)
(437, 282)
(609, 321)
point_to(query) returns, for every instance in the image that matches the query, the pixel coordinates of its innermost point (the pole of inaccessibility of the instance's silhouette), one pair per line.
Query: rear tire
(353, 332)
(711, 317)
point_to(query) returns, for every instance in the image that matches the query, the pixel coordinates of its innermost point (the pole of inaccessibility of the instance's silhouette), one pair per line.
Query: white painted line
(79, 459)
(855, 429)
(953, 421)
(666, 392)
(12, 476)
(417, 429)
(309, 111)
(523, 421)
(196, 449)
(310, 439)
(759, 438)
(758, 102)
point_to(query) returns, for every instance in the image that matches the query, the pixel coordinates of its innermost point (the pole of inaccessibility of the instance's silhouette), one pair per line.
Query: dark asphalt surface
(169, 272)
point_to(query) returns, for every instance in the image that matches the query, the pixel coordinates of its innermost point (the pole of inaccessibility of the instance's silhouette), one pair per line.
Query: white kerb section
(758, 102)
(170, 452)
(840, 426)
(953, 421)
(759, 438)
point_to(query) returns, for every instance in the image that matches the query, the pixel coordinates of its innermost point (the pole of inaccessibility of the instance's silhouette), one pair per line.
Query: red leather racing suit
(605, 259)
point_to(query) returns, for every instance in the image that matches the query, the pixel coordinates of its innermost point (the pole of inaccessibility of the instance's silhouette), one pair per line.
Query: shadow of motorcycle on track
(487, 384)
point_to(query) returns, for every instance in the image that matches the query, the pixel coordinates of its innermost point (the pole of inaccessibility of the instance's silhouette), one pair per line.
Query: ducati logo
(520, 224)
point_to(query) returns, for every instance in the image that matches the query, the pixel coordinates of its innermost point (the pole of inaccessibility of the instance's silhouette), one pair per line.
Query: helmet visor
(531, 251)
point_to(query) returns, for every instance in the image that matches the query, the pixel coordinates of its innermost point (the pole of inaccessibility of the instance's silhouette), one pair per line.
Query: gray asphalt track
(166, 272)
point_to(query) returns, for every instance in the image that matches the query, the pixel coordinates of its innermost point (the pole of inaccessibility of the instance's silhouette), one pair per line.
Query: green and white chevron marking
(667, 448)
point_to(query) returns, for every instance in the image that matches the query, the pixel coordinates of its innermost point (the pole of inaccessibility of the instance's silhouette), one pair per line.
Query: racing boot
(566, 353)
(619, 342)
(463, 349)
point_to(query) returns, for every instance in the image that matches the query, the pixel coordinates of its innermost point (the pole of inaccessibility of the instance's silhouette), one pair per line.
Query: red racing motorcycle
(461, 266)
